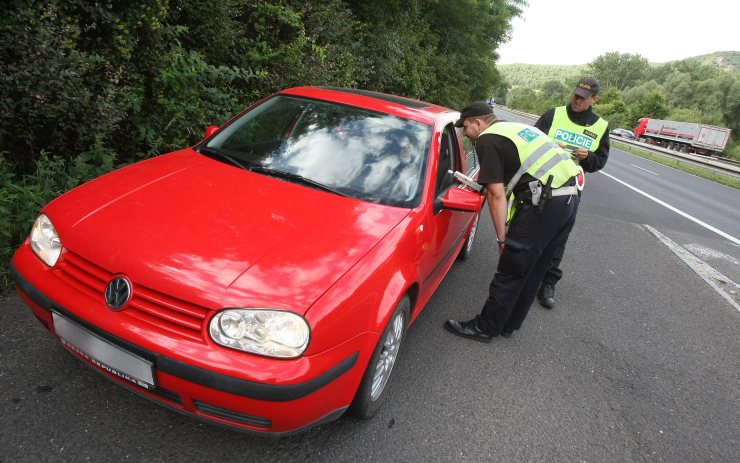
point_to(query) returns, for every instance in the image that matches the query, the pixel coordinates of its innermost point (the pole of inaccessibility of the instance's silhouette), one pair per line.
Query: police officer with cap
(587, 135)
(530, 184)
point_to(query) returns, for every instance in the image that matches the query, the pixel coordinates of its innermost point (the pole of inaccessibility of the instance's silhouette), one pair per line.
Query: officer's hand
(581, 153)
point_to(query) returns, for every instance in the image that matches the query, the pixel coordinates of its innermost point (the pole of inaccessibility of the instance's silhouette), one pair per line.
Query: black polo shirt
(498, 159)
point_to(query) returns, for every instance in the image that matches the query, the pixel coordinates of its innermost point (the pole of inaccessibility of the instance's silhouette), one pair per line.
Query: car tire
(468, 245)
(369, 396)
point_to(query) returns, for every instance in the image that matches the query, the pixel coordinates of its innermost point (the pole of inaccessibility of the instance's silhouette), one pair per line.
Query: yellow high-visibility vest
(539, 155)
(570, 133)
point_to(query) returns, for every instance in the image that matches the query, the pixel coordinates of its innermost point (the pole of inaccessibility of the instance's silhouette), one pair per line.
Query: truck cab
(639, 131)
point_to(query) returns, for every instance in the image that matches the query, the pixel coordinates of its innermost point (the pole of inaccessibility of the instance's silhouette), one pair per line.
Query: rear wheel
(370, 395)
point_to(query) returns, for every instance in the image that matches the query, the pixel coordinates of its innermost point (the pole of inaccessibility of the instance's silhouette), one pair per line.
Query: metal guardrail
(723, 165)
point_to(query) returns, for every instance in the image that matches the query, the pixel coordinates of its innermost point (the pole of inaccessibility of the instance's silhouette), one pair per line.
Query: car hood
(217, 235)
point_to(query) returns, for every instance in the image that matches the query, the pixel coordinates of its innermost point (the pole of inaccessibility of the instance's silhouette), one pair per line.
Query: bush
(732, 151)
(48, 87)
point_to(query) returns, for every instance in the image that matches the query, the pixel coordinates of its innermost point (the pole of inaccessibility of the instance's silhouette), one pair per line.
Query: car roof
(375, 101)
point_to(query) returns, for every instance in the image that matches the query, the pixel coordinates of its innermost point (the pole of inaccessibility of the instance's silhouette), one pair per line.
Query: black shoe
(468, 330)
(507, 334)
(546, 295)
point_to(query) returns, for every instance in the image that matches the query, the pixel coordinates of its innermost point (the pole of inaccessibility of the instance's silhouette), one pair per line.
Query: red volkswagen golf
(264, 278)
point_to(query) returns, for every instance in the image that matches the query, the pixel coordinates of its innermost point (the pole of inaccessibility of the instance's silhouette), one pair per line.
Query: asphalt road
(637, 362)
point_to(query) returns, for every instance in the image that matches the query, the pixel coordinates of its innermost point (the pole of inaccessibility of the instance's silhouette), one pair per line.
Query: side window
(449, 159)
(471, 158)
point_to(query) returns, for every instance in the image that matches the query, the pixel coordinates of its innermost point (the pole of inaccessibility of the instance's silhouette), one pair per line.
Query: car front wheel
(369, 395)
(468, 246)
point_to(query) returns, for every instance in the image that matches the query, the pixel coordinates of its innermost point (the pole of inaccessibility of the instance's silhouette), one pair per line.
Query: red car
(264, 278)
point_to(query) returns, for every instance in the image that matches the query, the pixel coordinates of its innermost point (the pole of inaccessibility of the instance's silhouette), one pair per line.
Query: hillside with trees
(536, 75)
(704, 89)
(724, 60)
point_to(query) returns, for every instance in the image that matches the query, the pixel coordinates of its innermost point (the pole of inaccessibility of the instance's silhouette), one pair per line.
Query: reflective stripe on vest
(540, 157)
(570, 133)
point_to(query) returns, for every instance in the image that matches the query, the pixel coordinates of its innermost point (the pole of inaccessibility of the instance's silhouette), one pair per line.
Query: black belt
(523, 195)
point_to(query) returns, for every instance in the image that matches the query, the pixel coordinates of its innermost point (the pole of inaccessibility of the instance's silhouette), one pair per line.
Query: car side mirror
(460, 199)
(210, 130)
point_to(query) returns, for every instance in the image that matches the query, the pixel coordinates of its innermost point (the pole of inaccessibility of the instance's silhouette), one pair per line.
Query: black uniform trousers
(553, 273)
(531, 241)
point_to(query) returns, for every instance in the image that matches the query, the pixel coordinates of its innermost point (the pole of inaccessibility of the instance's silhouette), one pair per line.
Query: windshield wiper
(217, 153)
(295, 177)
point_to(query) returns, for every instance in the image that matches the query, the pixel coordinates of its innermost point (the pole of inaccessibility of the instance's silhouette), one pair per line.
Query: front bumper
(279, 404)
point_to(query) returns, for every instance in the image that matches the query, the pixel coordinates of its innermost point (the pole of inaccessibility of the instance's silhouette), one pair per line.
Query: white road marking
(677, 211)
(704, 270)
(703, 251)
(641, 168)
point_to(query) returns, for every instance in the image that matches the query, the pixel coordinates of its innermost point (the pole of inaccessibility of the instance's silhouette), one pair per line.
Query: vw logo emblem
(117, 293)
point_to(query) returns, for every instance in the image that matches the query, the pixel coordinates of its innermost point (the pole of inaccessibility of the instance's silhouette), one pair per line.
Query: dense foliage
(86, 86)
(702, 89)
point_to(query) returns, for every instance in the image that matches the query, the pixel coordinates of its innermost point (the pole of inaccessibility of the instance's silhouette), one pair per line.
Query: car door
(445, 227)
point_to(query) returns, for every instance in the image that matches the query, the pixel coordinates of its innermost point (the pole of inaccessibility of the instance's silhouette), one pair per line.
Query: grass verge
(680, 164)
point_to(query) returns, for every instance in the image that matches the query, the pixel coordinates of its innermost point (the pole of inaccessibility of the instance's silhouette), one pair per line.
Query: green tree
(527, 100)
(609, 95)
(695, 115)
(611, 107)
(556, 92)
(731, 114)
(619, 70)
(395, 38)
(708, 96)
(501, 92)
(652, 106)
(634, 95)
(695, 68)
(466, 34)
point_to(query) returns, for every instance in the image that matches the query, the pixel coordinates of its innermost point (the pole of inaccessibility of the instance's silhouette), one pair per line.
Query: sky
(577, 32)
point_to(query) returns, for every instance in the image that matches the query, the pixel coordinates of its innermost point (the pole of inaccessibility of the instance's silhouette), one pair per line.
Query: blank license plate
(105, 355)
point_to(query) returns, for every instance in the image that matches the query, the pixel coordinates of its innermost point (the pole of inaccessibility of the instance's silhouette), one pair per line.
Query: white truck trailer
(686, 137)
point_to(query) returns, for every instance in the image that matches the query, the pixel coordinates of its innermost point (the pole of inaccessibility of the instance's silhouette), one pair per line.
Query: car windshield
(354, 152)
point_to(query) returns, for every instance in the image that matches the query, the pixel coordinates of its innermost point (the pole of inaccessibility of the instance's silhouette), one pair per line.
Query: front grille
(231, 415)
(173, 315)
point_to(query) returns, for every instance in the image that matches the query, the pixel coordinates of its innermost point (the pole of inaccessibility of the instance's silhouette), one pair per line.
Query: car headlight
(272, 333)
(45, 242)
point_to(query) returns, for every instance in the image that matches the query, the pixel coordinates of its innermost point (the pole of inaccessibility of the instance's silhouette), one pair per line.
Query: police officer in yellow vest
(587, 135)
(523, 169)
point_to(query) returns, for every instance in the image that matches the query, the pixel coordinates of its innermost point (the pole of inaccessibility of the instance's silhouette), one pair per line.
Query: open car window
(448, 159)
(362, 154)
(471, 158)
